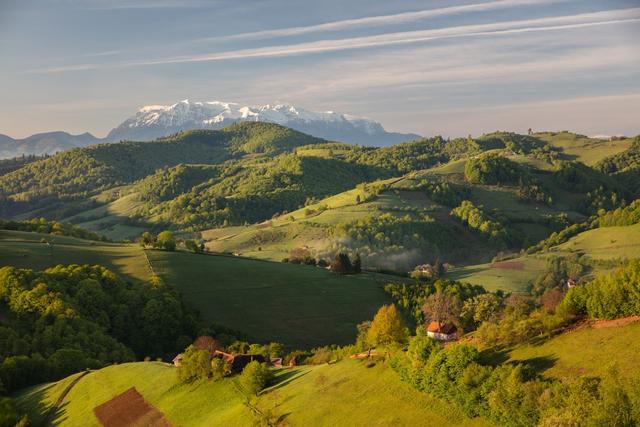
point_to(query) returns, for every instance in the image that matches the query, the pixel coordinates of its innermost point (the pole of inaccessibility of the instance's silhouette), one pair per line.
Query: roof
(442, 327)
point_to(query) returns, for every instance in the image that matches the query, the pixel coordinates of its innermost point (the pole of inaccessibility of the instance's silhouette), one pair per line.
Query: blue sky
(430, 67)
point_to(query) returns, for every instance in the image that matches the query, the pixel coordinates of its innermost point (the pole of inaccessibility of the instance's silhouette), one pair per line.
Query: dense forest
(69, 318)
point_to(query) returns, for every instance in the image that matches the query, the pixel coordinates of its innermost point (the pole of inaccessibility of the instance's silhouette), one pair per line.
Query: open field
(512, 276)
(587, 150)
(295, 304)
(271, 301)
(325, 395)
(605, 243)
(585, 351)
(27, 250)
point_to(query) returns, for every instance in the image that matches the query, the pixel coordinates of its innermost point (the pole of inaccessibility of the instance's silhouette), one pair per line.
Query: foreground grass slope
(327, 395)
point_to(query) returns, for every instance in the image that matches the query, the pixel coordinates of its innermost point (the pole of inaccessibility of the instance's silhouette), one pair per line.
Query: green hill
(74, 174)
(321, 395)
(587, 351)
(400, 222)
(300, 306)
(599, 249)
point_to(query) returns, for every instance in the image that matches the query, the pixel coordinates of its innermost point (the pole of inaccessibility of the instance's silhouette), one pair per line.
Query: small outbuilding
(177, 360)
(442, 331)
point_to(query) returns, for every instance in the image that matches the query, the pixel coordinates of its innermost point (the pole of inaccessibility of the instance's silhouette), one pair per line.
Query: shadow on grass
(495, 357)
(538, 364)
(42, 414)
(287, 377)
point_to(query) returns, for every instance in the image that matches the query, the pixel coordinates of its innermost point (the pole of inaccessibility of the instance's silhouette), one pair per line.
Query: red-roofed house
(442, 331)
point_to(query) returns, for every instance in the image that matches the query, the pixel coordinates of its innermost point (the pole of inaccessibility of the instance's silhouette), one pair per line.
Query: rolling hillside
(324, 395)
(298, 305)
(426, 198)
(600, 247)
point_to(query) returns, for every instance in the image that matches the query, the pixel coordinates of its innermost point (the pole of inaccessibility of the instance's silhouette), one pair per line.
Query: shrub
(255, 377)
(166, 241)
(195, 364)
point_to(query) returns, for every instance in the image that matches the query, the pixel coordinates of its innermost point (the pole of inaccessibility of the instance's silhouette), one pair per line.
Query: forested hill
(81, 171)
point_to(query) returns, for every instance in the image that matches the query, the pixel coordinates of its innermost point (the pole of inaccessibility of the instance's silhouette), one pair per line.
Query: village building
(238, 361)
(442, 331)
(177, 360)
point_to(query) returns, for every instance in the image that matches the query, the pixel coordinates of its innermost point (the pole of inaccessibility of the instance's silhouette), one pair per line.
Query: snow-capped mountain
(155, 121)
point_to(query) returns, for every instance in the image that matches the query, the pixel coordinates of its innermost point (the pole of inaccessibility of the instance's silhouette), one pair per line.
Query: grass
(587, 150)
(342, 393)
(506, 276)
(605, 243)
(107, 219)
(600, 244)
(586, 351)
(298, 305)
(301, 306)
(26, 250)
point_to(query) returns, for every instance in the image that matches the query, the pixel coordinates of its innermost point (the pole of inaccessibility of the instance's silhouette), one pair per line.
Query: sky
(452, 68)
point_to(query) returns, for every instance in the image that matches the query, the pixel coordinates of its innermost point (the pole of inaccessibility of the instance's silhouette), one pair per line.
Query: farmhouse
(238, 361)
(442, 331)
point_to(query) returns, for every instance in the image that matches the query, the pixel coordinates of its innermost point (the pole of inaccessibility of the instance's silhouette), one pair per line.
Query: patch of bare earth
(615, 322)
(129, 409)
(514, 265)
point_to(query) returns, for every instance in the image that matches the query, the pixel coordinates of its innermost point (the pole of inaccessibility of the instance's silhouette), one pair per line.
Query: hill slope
(322, 395)
(300, 306)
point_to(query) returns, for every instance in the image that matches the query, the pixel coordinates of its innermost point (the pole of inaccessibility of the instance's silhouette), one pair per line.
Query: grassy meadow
(585, 351)
(299, 305)
(31, 250)
(324, 395)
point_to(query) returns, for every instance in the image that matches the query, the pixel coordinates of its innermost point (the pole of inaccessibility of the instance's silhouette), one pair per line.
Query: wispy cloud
(373, 21)
(560, 23)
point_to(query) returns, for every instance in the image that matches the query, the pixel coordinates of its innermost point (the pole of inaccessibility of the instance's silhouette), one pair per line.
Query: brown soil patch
(413, 196)
(513, 265)
(615, 322)
(129, 409)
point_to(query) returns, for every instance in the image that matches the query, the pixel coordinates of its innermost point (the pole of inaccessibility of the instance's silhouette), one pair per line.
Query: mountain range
(156, 121)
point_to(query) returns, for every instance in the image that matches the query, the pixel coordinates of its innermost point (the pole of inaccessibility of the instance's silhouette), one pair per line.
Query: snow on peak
(217, 113)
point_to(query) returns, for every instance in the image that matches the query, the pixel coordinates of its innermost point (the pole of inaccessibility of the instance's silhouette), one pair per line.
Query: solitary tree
(207, 343)
(195, 364)
(166, 241)
(147, 239)
(341, 264)
(441, 307)
(387, 327)
(192, 246)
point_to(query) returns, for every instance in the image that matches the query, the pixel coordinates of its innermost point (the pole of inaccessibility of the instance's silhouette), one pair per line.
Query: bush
(492, 169)
(608, 296)
(195, 365)
(219, 369)
(166, 241)
(255, 377)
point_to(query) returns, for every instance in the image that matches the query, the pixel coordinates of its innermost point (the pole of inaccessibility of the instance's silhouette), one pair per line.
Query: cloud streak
(373, 21)
(569, 22)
